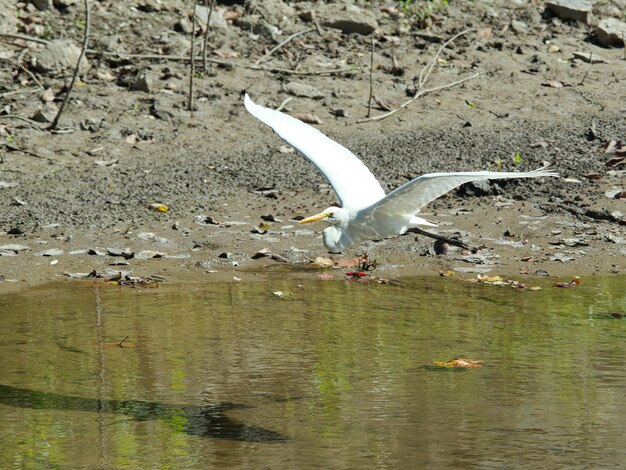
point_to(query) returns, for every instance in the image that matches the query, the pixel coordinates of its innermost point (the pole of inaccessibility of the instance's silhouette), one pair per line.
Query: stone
(42, 5)
(46, 113)
(217, 17)
(576, 10)
(519, 27)
(143, 82)
(8, 18)
(611, 32)
(302, 89)
(347, 18)
(59, 57)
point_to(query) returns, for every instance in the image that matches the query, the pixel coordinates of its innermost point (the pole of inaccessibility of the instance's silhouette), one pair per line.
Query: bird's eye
(331, 215)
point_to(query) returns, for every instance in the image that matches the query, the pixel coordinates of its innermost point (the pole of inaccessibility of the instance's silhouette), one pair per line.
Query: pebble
(576, 10)
(302, 89)
(14, 247)
(611, 32)
(50, 252)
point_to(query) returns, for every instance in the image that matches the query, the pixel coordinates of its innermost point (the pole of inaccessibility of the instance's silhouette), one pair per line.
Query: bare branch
(267, 56)
(192, 65)
(419, 94)
(422, 79)
(369, 101)
(55, 123)
(206, 34)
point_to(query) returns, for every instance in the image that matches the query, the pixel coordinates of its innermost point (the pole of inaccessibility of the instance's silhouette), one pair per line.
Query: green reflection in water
(335, 373)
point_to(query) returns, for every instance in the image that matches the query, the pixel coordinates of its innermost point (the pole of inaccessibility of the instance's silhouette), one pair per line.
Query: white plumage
(366, 212)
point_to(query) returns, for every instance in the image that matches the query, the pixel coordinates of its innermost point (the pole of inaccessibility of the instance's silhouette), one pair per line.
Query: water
(331, 375)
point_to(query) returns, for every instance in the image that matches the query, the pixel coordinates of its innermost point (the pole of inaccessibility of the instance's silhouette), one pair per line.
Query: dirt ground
(79, 199)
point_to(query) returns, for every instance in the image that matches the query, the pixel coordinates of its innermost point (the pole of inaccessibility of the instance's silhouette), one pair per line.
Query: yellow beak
(315, 218)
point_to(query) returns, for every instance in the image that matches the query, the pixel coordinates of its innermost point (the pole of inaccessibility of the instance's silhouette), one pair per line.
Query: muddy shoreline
(219, 171)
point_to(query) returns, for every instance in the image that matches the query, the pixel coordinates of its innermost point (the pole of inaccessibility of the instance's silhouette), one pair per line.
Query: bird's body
(366, 212)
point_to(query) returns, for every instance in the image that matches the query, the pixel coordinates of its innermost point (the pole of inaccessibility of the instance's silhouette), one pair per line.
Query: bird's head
(339, 219)
(336, 216)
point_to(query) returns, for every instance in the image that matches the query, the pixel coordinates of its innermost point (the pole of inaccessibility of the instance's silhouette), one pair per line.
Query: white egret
(366, 213)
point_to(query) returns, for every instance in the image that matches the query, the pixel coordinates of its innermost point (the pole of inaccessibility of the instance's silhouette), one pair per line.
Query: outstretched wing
(355, 185)
(412, 196)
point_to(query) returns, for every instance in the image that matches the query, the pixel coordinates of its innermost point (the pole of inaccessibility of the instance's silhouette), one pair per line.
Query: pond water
(333, 374)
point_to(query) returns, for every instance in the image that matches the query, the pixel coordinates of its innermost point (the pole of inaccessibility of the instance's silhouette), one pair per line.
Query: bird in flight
(366, 212)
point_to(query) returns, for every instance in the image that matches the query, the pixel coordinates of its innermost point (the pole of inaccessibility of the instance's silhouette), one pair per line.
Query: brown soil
(122, 149)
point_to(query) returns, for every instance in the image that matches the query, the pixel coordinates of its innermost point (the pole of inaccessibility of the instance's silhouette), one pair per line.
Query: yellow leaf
(159, 207)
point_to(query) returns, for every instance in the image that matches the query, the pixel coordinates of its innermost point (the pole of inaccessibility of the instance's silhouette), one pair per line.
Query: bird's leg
(441, 238)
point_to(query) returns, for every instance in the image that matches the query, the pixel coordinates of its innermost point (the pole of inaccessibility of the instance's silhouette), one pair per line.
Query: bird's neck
(333, 239)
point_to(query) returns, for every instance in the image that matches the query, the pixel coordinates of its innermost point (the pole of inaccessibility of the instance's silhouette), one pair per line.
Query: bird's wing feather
(355, 185)
(412, 196)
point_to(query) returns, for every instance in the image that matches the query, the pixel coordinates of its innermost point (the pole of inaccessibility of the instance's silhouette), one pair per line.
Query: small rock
(14, 247)
(50, 252)
(42, 5)
(143, 82)
(46, 113)
(611, 32)
(576, 10)
(183, 26)
(59, 57)
(590, 58)
(302, 89)
(347, 18)
(519, 27)
(217, 17)
(8, 17)
(150, 6)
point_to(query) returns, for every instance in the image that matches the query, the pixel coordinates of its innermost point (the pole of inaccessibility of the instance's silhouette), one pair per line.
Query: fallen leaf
(575, 282)
(226, 53)
(309, 118)
(616, 161)
(553, 84)
(459, 362)
(337, 262)
(157, 207)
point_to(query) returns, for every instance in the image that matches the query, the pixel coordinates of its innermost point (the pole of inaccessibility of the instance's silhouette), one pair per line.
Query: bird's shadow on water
(205, 421)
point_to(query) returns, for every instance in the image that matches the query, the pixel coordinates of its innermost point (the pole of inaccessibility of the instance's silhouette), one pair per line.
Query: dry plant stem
(441, 238)
(192, 62)
(221, 62)
(426, 71)
(267, 56)
(369, 101)
(206, 35)
(284, 103)
(422, 79)
(55, 123)
(20, 118)
(25, 70)
(419, 94)
(24, 37)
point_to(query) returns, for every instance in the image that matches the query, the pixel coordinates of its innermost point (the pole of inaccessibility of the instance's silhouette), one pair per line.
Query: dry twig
(55, 122)
(192, 66)
(369, 101)
(25, 70)
(206, 34)
(267, 56)
(422, 79)
(24, 37)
